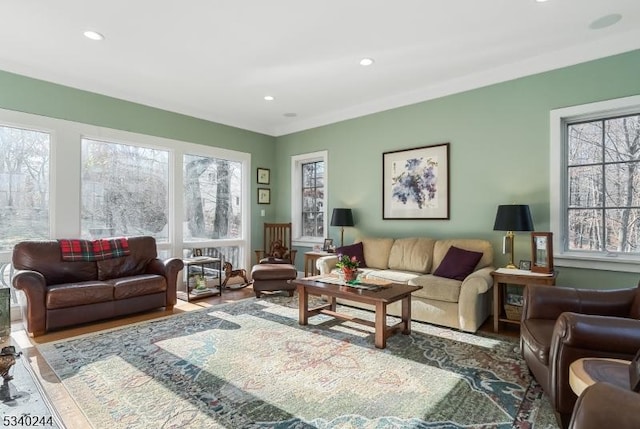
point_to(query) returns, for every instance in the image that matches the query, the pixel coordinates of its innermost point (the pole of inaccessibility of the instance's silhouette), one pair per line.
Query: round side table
(587, 371)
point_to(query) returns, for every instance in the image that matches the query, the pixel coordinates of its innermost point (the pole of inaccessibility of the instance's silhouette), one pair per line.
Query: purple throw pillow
(458, 263)
(353, 250)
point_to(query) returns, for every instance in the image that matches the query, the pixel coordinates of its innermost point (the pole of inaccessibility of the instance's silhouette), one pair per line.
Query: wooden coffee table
(379, 298)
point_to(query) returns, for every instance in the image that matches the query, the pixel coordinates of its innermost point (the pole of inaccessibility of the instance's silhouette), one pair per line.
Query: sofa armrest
(34, 286)
(169, 269)
(478, 281)
(544, 302)
(605, 405)
(325, 264)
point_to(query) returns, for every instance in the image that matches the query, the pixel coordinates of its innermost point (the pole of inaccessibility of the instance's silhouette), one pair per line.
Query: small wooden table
(505, 276)
(310, 259)
(587, 371)
(380, 298)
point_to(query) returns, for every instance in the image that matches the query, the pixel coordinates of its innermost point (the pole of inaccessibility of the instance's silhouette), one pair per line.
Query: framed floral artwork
(264, 196)
(415, 183)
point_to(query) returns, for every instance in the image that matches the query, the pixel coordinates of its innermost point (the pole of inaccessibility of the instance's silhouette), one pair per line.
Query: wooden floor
(59, 398)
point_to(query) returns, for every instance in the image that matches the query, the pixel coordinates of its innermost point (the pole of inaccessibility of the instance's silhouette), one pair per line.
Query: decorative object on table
(200, 282)
(542, 252)
(342, 217)
(525, 265)
(197, 253)
(264, 196)
(5, 312)
(8, 357)
(415, 183)
(349, 267)
(230, 273)
(328, 244)
(263, 176)
(510, 218)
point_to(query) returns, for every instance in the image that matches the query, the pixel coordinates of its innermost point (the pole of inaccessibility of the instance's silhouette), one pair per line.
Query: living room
(498, 134)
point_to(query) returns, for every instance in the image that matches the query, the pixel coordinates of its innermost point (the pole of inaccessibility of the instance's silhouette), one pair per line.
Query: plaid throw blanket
(96, 250)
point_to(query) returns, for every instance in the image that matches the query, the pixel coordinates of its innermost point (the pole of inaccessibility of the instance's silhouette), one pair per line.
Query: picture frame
(402, 169)
(196, 252)
(328, 244)
(542, 252)
(525, 265)
(264, 196)
(263, 176)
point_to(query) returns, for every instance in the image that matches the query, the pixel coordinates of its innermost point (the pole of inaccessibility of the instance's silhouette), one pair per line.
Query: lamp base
(511, 266)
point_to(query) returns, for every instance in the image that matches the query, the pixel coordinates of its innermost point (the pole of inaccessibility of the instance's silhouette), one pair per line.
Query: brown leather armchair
(561, 325)
(604, 405)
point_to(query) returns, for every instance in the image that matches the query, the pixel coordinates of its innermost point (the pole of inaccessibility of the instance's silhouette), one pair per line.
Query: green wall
(37, 97)
(499, 154)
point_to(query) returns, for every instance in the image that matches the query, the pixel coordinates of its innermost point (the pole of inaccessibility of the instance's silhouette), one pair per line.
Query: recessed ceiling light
(540, 1)
(93, 35)
(290, 115)
(269, 97)
(605, 21)
(366, 61)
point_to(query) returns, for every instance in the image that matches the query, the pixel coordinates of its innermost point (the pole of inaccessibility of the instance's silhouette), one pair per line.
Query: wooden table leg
(406, 315)
(381, 325)
(303, 305)
(496, 306)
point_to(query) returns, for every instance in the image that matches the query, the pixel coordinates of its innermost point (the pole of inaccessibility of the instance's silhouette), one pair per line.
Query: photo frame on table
(197, 252)
(542, 252)
(525, 265)
(264, 196)
(328, 243)
(415, 183)
(263, 176)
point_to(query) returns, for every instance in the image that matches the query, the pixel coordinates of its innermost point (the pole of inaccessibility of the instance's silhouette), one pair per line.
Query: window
(596, 195)
(125, 190)
(24, 186)
(308, 196)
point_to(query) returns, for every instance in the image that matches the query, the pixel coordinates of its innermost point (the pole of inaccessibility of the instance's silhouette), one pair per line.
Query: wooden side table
(310, 259)
(506, 276)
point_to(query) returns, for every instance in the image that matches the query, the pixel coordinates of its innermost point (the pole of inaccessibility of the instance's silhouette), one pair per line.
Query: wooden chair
(277, 245)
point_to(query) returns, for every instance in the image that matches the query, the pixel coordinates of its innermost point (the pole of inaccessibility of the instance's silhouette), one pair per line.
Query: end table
(310, 259)
(507, 276)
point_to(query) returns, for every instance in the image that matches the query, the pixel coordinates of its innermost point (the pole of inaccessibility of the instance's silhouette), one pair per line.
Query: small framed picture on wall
(264, 196)
(264, 176)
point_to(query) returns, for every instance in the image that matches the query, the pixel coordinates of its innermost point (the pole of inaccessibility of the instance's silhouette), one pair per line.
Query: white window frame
(558, 185)
(296, 197)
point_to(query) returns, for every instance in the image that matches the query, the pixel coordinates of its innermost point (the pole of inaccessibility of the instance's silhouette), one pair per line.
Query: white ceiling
(216, 60)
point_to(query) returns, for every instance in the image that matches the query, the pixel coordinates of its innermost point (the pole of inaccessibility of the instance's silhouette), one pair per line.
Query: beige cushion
(391, 275)
(441, 247)
(412, 254)
(376, 252)
(437, 288)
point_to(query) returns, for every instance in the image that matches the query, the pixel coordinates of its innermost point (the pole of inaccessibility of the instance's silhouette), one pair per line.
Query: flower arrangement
(350, 263)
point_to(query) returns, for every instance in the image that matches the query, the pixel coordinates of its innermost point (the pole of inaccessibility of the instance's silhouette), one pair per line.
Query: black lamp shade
(513, 217)
(341, 217)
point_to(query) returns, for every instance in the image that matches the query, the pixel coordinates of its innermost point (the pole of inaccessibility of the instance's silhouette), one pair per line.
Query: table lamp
(513, 217)
(342, 218)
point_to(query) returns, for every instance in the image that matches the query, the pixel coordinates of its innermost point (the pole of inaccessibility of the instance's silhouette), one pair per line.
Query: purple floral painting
(416, 183)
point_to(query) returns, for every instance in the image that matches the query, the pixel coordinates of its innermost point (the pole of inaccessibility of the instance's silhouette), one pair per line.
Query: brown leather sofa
(61, 293)
(560, 325)
(604, 405)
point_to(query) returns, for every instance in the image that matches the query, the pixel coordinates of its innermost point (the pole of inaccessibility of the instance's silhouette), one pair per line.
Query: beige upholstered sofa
(463, 304)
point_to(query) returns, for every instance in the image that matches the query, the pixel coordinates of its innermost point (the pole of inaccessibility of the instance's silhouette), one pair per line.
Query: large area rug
(250, 365)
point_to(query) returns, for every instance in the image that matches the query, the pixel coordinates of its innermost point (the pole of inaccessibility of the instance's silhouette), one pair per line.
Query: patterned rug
(250, 365)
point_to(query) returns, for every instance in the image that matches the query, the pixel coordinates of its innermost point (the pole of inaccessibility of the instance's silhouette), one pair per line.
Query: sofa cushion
(352, 250)
(390, 275)
(74, 294)
(376, 252)
(437, 288)
(441, 247)
(142, 252)
(146, 284)
(458, 263)
(412, 254)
